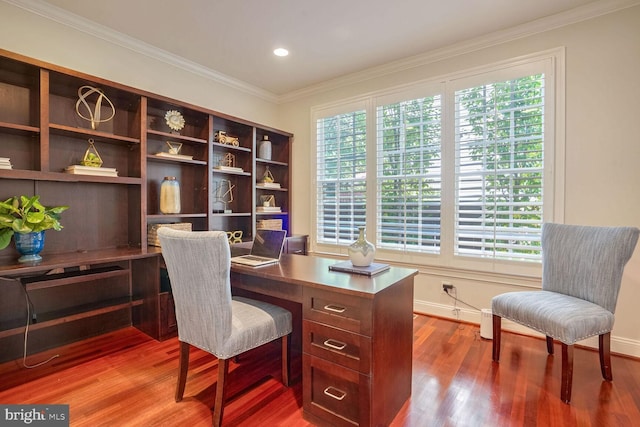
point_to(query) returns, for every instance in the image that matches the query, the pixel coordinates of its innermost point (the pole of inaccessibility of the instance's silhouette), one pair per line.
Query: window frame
(552, 64)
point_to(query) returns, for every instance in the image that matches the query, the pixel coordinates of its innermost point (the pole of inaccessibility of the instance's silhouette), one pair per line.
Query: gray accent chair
(208, 316)
(581, 273)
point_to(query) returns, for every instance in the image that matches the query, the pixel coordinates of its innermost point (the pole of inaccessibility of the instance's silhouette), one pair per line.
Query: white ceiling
(326, 39)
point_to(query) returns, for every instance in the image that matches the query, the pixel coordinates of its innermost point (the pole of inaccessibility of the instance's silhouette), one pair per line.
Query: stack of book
(268, 184)
(269, 209)
(152, 231)
(90, 170)
(174, 156)
(228, 168)
(5, 163)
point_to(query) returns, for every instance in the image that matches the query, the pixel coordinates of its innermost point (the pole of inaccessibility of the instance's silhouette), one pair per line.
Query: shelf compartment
(68, 148)
(71, 131)
(194, 147)
(52, 318)
(63, 96)
(154, 158)
(231, 214)
(193, 179)
(65, 177)
(228, 172)
(259, 187)
(19, 129)
(196, 122)
(271, 162)
(71, 277)
(20, 89)
(168, 216)
(176, 137)
(233, 127)
(217, 145)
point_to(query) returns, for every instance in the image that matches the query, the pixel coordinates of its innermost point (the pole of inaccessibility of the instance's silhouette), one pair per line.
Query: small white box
(486, 324)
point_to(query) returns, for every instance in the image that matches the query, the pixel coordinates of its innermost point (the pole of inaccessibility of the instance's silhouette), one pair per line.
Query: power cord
(456, 300)
(31, 317)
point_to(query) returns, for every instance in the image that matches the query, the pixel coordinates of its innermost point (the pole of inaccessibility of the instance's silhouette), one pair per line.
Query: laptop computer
(266, 249)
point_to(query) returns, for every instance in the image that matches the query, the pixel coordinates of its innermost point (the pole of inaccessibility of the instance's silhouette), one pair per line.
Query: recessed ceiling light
(281, 52)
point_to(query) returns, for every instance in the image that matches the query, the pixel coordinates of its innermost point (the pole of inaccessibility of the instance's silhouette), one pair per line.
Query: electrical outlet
(446, 286)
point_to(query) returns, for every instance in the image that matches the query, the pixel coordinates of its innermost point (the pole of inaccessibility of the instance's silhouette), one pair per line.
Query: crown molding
(579, 14)
(84, 25)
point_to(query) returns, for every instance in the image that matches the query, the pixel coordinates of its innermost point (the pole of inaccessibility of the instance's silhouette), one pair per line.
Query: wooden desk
(356, 336)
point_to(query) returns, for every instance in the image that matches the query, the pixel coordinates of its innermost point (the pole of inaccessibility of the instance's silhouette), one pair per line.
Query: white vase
(361, 252)
(264, 148)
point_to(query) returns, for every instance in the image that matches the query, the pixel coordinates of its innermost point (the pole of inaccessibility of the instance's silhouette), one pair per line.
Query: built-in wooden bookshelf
(106, 227)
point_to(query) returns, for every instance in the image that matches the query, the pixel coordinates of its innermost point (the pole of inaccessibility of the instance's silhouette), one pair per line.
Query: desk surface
(312, 271)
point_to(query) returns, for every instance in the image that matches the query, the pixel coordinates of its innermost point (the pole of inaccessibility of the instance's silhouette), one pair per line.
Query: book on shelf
(174, 156)
(268, 185)
(5, 163)
(228, 168)
(269, 209)
(90, 170)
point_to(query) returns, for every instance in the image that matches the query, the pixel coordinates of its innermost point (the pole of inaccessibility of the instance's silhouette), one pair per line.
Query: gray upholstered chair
(581, 273)
(208, 316)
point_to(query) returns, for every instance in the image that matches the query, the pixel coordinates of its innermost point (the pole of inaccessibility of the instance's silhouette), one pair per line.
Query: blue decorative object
(361, 252)
(29, 245)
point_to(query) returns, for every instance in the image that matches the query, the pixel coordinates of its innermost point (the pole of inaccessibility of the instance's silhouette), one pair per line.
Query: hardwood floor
(128, 379)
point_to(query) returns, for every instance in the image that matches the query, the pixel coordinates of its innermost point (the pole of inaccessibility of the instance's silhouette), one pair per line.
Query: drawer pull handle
(337, 394)
(338, 345)
(334, 308)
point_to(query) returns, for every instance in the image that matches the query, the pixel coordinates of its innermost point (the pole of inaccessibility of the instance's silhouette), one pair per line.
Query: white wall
(34, 36)
(602, 153)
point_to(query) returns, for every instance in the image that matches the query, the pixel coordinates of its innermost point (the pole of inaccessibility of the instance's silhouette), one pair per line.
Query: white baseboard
(619, 345)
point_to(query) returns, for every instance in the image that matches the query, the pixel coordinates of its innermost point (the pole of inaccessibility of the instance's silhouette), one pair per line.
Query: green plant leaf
(5, 237)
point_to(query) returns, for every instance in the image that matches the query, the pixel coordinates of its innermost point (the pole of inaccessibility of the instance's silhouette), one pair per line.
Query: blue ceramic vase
(29, 245)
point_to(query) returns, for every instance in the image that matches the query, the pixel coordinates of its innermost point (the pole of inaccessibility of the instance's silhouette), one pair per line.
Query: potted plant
(26, 219)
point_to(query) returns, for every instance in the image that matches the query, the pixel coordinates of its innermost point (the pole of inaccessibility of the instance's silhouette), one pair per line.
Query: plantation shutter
(341, 177)
(409, 175)
(499, 141)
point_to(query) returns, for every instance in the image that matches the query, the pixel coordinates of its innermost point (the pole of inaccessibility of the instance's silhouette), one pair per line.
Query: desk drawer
(335, 394)
(338, 346)
(340, 310)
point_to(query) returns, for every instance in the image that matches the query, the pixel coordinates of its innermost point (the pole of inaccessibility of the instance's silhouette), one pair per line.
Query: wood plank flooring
(127, 379)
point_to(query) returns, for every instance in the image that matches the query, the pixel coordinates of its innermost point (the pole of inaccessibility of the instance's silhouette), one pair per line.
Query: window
(409, 175)
(461, 169)
(499, 146)
(341, 176)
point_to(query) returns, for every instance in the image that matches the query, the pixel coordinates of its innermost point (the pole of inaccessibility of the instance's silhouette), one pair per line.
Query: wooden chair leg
(218, 409)
(605, 356)
(549, 345)
(182, 370)
(497, 329)
(567, 373)
(286, 355)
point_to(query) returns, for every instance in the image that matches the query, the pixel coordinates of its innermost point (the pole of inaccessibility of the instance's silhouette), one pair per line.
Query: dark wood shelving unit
(101, 272)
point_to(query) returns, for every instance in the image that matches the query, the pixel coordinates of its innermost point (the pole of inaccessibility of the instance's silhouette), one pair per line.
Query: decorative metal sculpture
(174, 120)
(268, 200)
(174, 147)
(229, 160)
(223, 194)
(91, 156)
(267, 177)
(95, 116)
